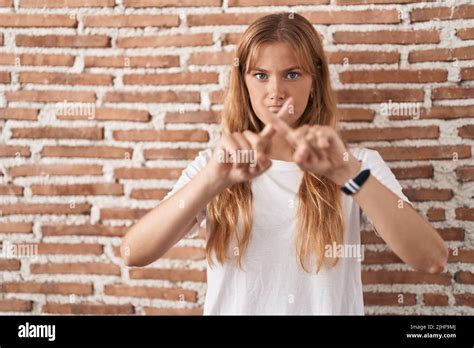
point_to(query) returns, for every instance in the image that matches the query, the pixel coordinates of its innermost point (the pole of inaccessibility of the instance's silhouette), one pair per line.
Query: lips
(274, 108)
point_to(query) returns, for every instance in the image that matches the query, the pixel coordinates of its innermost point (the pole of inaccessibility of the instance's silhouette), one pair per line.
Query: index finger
(281, 126)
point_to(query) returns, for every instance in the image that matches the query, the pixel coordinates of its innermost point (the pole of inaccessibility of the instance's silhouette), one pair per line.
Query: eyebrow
(288, 69)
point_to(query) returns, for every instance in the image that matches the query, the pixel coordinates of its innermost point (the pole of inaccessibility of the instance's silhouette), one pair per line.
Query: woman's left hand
(319, 149)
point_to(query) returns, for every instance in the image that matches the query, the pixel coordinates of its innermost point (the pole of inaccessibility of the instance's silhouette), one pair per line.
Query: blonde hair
(319, 214)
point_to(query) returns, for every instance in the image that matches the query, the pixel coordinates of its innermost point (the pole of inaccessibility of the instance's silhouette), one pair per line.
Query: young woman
(283, 225)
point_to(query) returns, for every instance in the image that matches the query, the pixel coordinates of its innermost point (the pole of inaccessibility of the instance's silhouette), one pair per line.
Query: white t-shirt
(272, 281)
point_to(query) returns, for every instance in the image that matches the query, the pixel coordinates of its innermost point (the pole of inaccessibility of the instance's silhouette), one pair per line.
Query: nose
(276, 90)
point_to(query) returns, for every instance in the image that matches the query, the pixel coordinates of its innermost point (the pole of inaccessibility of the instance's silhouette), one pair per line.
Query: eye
(294, 73)
(256, 75)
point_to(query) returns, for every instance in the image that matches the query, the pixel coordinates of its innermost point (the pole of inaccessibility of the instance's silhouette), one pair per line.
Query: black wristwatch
(352, 186)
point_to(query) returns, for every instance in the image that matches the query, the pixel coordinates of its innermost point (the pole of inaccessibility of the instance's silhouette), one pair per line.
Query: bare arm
(410, 236)
(162, 227)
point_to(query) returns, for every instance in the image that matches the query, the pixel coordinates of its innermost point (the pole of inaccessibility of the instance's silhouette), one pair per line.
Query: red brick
(363, 2)
(11, 190)
(461, 255)
(130, 20)
(73, 41)
(5, 77)
(363, 57)
(174, 275)
(208, 116)
(17, 20)
(16, 227)
(404, 173)
(165, 41)
(66, 3)
(70, 249)
(466, 131)
(254, 3)
(442, 13)
(158, 194)
(171, 3)
(87, 152)
(464, 299)
(108, 114)
(186, 253)
(62, 288)
(452, 93)
(380, 257)
(14, 151)
(435, 299)
(465, 173)
(466, 214)
(424, 152)
(353, 17)
(84, 230)
(464, 277)
(87, 308)
(467, 74)
(379, 95)
(147, 173)
(391, 133)
(428, 194)
(19, 114)
(164, 135)
(41, 208)
(92, 133)
(36, 59)
(442, 54)
(77, 190)
(16, 306)
(65, 79)
(132, 61)
(171, 78)
(448, 112)
(173, 311)
(465, 33)
(393, 76)
(315, 17)
(152, 97)
(451, 233)
(171, 294)
(211, 58)
(49, 96)
(389, 299)
(122, 214)
(75, 268)
(230, 38)
(387, 37)
(166, 154)
(404, 277)
(56, 170)
(9, 265)
(436, 214)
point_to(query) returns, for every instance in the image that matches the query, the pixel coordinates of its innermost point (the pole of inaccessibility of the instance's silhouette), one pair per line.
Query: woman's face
(275, 78)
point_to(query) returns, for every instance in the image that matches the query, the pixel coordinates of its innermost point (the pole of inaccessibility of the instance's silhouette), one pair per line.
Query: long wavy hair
(320, 220)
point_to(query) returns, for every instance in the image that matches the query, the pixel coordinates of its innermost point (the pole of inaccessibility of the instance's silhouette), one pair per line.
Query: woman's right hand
(240, 157)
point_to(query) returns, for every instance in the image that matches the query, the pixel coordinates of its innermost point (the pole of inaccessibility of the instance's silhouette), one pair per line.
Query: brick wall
(104, 102)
